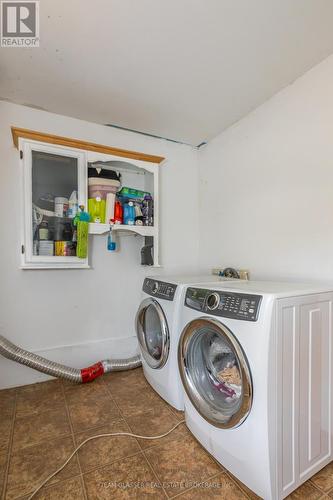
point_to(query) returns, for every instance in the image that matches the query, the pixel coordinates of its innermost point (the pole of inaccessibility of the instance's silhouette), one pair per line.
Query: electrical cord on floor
(96, 437)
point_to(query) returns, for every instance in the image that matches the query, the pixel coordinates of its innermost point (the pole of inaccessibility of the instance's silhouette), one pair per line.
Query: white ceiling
(182, 69)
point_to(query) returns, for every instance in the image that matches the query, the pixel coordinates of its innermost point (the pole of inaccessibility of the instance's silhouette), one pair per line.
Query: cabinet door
(304, 382)
(315, 384)
(54, 183)
(287, 394)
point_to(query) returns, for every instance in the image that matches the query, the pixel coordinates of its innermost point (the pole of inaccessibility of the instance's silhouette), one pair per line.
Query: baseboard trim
(77, 355)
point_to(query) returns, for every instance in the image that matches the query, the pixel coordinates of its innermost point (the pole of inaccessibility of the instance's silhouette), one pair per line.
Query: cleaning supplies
(81, 221)
(118, 213)
(60, 206)
(43, 230)
(45, 248)
(64, 248)
(62, 230)
(96, 209)
(129, 213)
(127, 192)
(72, 205)
(131, 219)
(138, 215)
(109, 210)
(148, 211)
(126, 213)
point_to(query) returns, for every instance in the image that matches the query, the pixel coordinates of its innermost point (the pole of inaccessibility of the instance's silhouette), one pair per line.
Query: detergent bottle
(118, 213)
(129, 213)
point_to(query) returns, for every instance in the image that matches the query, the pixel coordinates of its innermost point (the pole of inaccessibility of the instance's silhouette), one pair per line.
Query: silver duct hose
(15, 353)
(119, 365)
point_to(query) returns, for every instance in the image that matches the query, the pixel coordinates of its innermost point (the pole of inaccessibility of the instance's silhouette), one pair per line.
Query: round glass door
(153, 333)
(215, 373)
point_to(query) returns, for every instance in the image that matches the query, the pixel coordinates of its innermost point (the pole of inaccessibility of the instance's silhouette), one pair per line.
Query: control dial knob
(213, 301)
(154, 287)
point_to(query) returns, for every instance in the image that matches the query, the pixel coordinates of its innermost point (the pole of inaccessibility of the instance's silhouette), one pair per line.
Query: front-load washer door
(215, 373)
(153, 333)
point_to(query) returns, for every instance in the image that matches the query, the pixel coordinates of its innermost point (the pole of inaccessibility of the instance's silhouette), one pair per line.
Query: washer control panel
(159, 289)
(241, 306)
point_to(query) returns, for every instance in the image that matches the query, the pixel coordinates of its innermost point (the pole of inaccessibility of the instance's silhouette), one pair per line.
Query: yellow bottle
(96, 209)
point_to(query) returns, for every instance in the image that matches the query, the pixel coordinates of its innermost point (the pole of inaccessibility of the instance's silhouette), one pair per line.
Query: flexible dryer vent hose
(11, 351)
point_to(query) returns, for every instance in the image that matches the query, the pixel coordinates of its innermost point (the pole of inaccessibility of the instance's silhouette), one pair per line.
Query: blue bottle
(129, 213)
(126, 213)
(111, 244)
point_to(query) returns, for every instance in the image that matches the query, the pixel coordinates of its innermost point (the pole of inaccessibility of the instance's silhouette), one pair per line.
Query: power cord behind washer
(96, 437)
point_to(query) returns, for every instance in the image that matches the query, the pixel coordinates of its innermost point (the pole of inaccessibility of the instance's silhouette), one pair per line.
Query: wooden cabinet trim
(78, 144)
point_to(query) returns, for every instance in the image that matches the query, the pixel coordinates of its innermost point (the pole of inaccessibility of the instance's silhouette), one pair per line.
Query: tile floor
(40, 425)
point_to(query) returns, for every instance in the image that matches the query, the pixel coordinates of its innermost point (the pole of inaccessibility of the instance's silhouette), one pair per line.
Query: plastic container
(46, 248)
(43, 231)
(109, 209)
(96, 209)
(138, 215)
(127, 192)
(60, 206)
(101, 182)
(132, 213)
(65, 248)
(96, 172)
(61, 230)
(101, 190)
(73, 205)
(118, 213)
(129, 214)
(111, 246)
(148, 211)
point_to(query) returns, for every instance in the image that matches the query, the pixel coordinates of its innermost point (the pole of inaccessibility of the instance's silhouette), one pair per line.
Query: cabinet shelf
(61, 169)
(97, 228)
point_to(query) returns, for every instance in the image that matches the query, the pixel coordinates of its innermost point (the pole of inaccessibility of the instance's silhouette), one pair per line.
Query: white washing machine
(157, 328)
(255, 360)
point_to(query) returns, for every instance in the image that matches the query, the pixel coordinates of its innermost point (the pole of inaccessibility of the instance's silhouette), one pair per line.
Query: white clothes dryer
(157, 328)
(255, 360)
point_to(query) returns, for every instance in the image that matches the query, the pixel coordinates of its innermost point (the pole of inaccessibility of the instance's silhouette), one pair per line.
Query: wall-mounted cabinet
(139, 175)
(55, 176)
(50, 175)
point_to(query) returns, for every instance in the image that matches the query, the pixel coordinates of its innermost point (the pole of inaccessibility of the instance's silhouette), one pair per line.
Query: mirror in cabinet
(54, 186)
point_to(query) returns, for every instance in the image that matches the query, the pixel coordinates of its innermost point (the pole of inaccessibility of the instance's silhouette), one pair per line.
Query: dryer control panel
(241, 306)
(159, 289)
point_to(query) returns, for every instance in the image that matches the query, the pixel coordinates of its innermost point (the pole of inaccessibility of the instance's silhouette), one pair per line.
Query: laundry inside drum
(222, 366)
(153, 332)
(214, 368)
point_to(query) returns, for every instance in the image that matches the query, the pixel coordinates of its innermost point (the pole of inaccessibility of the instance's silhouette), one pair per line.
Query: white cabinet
(304, 388)
(51, 173)
(315, 387)
(137, 174)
